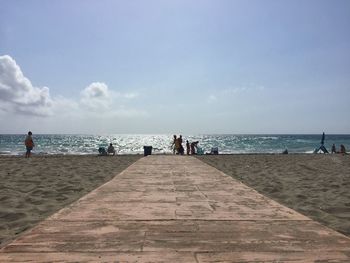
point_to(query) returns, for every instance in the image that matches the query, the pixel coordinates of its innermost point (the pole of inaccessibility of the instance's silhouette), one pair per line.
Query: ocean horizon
(84, 144)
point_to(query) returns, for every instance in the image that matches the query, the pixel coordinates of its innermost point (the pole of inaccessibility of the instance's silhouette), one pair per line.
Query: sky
(185, 66)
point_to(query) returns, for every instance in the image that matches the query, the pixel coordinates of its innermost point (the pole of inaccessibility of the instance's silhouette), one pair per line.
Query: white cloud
(96, 97)
(18, 95)
(64, 106)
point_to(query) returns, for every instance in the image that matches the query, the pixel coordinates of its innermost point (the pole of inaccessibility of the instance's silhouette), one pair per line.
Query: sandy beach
(33, 189)
(317, 186)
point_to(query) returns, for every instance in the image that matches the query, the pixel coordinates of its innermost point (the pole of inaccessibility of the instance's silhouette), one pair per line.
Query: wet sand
(33, 189)
(317, 186)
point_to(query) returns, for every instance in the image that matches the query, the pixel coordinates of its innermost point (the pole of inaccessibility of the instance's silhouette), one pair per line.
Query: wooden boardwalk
(177, 209)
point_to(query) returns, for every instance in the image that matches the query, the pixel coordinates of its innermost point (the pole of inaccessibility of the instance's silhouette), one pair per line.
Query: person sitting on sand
(29, 144)
(111, 149)
(334, 149)
(342, 149)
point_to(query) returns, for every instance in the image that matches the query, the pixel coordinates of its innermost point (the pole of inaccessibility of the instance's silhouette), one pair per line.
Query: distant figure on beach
(323, 137)
(177, 145)
(194, 147)
(342, 149)
(111, 149)
(334, 149)
(187, 147)
(285, 151)
(29, 144)
(322, 147)
(181, 149)
(173, 145)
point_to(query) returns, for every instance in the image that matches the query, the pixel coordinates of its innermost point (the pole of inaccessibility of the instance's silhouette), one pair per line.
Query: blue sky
(175, 66)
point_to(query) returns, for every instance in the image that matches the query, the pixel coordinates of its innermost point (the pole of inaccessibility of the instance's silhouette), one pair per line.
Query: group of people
(29, 143)
(110, 150)
(323, 149)
(342, 149)
(191, 148)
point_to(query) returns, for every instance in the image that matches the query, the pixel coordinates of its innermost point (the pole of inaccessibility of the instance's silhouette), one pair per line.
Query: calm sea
(133, 144)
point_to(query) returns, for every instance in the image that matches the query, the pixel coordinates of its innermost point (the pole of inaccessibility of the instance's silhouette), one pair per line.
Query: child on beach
(29, 144)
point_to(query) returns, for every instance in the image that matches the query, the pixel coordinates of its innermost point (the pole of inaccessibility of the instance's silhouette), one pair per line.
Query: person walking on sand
(29, 144)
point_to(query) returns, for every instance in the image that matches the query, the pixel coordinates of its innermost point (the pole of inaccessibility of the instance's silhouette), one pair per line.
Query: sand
(317, 186)
(33, 189)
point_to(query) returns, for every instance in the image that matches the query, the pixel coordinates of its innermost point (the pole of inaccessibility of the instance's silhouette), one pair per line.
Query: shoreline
(34, 155)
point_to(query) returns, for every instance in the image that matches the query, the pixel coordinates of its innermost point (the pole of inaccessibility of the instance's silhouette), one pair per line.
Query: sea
(67, 144)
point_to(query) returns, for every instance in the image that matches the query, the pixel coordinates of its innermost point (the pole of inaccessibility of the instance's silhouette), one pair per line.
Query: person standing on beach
(187, 147)
(194, 146)
(181, 148)
(29, 144)
(173, 145)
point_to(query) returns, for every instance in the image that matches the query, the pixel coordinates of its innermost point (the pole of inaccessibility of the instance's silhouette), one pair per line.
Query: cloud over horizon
(96, 97)
(18, 95)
